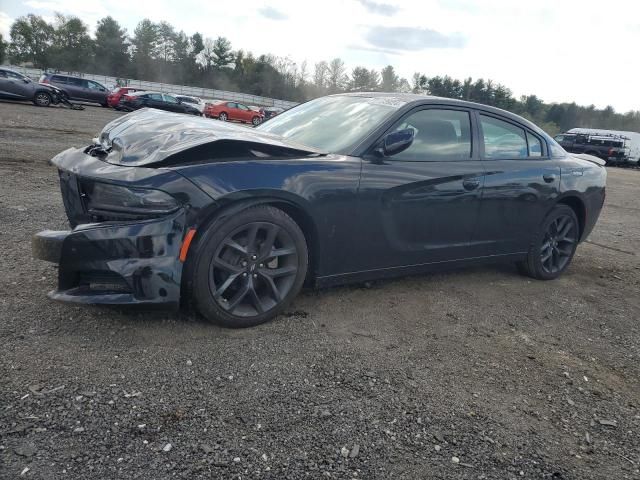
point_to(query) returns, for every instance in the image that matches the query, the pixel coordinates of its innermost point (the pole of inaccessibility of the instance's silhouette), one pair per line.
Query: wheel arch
(579, 208)
(293, 207)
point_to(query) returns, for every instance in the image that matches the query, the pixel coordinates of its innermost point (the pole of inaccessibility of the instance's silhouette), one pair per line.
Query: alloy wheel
(43, 100)
(256, 121)
(558, 244)
(223, 117)
(253, 269)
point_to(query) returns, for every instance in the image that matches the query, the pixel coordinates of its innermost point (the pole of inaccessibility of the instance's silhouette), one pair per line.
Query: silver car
(15, 86)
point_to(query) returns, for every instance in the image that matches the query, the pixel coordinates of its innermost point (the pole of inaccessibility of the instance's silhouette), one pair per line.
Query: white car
(193, 101)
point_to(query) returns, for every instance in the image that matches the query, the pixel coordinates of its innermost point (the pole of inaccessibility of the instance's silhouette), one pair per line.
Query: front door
(520, 187)
(421, 205)
(172, 103)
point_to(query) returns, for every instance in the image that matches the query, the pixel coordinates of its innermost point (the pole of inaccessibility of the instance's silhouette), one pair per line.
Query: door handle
(471, 183)
(549, 177)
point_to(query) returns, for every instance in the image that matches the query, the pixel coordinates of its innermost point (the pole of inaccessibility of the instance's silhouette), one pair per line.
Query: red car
(233, 111)
(113, 99)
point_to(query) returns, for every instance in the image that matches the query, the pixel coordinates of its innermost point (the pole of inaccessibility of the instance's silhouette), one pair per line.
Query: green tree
(3, 49)
(165, 48)
(223, 54)
(72, 47)
(31, 38)
(320, 76)
(364, 80)
(419, 82)
(389, 80)
(337, 78)
(111, 48)
(145, 42)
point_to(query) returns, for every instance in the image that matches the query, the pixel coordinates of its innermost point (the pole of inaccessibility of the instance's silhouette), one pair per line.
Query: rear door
(76, 89)
(421, 205)
(521, 185)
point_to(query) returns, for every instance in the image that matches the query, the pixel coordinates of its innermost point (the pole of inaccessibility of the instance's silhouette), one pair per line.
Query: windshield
(332, 124)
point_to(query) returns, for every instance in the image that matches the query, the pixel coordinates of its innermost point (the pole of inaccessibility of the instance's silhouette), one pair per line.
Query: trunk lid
(590, 158)
(148, 136)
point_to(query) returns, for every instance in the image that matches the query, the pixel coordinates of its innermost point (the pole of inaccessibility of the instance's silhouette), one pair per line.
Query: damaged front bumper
(105, 259)
(132, 263)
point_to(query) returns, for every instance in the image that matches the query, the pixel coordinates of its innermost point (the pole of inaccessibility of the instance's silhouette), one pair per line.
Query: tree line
(158, 52)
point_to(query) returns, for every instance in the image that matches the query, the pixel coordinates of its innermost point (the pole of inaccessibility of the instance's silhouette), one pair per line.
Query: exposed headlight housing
(108, 201)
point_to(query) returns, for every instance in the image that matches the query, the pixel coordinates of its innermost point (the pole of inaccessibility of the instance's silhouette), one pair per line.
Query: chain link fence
(204, 93)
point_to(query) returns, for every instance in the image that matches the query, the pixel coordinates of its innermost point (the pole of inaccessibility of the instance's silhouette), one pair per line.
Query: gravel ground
(474, 374)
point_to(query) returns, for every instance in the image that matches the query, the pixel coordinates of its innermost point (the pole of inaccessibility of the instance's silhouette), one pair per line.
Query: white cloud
(561, 51)
(5, 24)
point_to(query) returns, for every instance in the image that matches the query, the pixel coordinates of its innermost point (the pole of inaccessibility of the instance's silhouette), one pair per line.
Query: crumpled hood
(148, 136)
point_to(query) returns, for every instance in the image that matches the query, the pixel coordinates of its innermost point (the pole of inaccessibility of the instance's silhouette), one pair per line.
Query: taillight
(611, 151)
(45, 80)
(128, 98)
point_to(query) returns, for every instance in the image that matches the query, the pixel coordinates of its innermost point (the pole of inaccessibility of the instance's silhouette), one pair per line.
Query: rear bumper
(127, 263)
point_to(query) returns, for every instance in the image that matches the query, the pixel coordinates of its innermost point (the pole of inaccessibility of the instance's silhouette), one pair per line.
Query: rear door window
(535, 145)
(59, 79)
(503, 140)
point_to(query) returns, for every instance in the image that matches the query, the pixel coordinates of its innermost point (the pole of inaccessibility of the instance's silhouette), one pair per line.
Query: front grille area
(71, 199)
(103, 282)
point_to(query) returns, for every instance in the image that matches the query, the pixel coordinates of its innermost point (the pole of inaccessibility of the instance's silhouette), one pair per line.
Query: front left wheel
(247, 268)
(42, 99)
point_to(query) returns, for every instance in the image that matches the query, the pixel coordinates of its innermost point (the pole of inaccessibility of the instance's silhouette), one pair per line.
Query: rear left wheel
(222, 117)
(553, 247)
(247, 268)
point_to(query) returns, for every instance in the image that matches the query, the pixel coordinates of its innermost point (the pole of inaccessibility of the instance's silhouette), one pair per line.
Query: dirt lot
(476, 374)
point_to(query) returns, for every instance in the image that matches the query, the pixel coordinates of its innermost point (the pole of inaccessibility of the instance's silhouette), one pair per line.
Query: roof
(414, 99)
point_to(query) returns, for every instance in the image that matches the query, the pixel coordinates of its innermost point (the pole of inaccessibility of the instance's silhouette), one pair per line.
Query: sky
(559, 50)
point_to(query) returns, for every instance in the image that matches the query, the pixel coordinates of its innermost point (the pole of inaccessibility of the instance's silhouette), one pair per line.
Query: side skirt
(392, 272)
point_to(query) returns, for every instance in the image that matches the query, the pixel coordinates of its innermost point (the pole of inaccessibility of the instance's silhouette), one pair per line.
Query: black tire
(255, 121)
(553, 247)
(238, 282)
(42, 99)
(223, 117)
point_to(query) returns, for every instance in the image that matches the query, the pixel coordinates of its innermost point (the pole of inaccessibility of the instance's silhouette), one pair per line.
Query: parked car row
(53, 87)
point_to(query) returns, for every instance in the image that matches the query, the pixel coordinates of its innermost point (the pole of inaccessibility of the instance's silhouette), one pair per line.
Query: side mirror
(397, 142)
